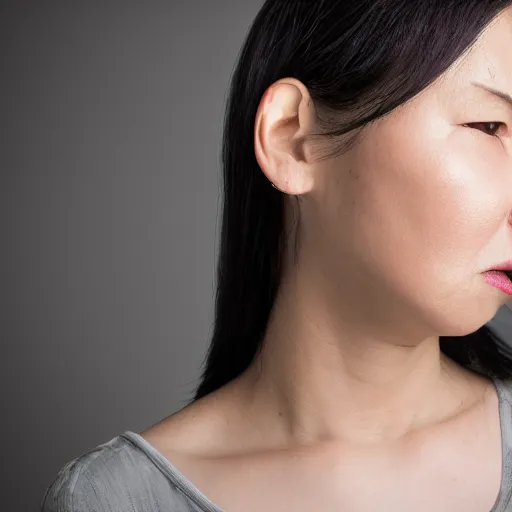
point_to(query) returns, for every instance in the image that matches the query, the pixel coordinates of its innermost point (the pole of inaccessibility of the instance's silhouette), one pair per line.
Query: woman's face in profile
(424, 206)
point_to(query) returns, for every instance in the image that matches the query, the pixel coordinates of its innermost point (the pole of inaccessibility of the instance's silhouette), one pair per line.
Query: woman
(368, 189)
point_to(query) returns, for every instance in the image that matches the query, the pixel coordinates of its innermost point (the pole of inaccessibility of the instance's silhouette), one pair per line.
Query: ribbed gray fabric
(127, 474)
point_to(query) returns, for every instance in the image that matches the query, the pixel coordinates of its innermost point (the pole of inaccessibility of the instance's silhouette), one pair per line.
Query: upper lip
(506, 265)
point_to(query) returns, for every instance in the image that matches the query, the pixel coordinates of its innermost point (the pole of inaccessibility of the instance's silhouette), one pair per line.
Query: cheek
(472, 183)
(412, 215)
(425, 205)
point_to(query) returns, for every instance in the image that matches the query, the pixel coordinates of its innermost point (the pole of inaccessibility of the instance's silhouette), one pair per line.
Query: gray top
(127, 474)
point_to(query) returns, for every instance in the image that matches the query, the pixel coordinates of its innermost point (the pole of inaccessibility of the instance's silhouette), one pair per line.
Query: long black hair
(359, 59)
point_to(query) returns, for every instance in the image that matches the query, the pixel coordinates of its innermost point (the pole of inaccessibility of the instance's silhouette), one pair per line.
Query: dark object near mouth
(508, 273)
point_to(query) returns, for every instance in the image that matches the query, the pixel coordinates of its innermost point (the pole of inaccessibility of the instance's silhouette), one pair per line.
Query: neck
(322, 375)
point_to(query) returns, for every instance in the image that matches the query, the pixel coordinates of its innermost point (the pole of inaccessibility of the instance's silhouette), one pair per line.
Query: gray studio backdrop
(111, 127)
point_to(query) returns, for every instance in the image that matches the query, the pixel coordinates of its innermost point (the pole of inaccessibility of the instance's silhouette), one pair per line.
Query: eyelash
(500, 124)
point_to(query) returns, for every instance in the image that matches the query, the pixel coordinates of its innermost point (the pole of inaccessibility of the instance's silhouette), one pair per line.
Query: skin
(394, 237)
(351, 385)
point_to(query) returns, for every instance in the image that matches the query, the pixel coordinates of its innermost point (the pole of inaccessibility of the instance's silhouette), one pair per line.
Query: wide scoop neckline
(208, 505)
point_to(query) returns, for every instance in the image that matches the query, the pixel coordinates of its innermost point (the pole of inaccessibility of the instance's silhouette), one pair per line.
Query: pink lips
(499, 280)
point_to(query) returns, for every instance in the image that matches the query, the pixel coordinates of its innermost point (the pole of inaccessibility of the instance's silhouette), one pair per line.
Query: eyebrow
(499, 94)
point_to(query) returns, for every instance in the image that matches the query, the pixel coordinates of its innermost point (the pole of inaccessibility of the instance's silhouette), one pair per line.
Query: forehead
(490, 58)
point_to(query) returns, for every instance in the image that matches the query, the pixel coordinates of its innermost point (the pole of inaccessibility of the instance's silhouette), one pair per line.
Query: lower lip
(498, 280)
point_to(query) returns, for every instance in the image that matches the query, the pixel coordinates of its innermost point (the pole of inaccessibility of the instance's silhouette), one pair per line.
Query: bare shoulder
(194, 431)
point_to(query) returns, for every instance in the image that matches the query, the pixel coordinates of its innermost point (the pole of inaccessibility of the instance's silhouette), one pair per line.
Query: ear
(285, 116)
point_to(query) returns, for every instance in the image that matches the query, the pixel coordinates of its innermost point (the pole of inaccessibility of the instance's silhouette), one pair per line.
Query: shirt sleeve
(116, 477)
(72, 491)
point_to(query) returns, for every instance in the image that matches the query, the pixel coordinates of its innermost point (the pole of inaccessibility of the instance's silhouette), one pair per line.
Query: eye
(489, 128)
